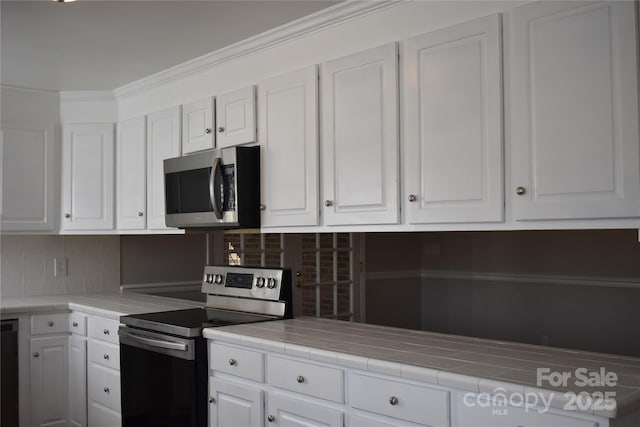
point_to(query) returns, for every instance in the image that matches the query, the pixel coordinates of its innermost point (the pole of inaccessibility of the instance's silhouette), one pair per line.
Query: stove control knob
(260, 282)
(219, 278)
(271, 283)
(208, 278)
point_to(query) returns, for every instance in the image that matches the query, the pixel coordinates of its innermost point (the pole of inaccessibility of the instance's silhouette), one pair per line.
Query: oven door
(163, 379)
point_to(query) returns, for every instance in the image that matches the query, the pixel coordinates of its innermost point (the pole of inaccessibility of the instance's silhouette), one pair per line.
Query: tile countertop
(111, 305)
(464, 363)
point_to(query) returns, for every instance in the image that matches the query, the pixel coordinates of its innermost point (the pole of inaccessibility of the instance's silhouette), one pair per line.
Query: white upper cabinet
(197, 126)
(288, 135)
(28, 181)
(163, 142)
(131, 186)
(359, 142)
(87, 177)
(236, 117)
(453, 116)
(574, 111)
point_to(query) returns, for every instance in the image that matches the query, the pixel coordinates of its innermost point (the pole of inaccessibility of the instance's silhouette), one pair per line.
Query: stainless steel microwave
(215, 188)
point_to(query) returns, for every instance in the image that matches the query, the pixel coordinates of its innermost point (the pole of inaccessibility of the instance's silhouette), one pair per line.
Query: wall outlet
(59, 267)
(431, 249)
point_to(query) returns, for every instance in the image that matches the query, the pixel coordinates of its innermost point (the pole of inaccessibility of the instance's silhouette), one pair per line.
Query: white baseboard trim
(609, 282)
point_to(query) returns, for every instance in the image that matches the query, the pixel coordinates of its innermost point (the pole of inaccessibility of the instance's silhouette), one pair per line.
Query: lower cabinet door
(233, 404)
(49, 381)
(284, 411)
(101, 416)
(77, 381)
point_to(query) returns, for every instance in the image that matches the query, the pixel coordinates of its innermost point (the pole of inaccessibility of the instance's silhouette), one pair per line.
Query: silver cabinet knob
(36, 354)
(262, 207)
(140, 214)
(300, 379)
(412, 197)
(271, 418)
(50, 323)
(67, 215)
(207, 130)
(106, 332)
(393, 400)
(106, 389)
(232, 362)
(212, 399)
(328, 203)
(520, 191)
(75, 324)
(220, 129)
(106, 357)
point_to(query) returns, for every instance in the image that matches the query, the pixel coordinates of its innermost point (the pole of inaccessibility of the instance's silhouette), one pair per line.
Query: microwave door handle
(214, 187)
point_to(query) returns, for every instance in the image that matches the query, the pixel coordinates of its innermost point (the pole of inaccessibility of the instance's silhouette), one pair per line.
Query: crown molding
(87, 96)
(326, 18)
(27, 90)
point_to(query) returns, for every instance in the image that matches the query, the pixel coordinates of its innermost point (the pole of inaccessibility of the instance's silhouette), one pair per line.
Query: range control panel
(248, 282)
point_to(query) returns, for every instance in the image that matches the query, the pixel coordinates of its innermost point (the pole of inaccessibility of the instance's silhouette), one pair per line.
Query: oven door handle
(215, 181)
(153, 342)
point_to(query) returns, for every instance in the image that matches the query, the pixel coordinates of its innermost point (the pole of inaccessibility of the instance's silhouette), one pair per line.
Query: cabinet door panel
(163, 142)
(28, 182)
(87, 177)
(288, 412)
(49, 381)
(234, 404)
(288, 135)
(131, 174)
(454, 124)
(197, 120)
(77, 381)
(574, 111)
(236, 117)
(360, 138)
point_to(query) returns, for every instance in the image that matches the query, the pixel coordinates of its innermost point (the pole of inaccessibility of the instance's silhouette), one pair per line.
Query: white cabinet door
(28, 178)
(288, 135)
(360, 138)
(574, 111)
(131, 169)
(233, 404)
(87, 177)
(284, 411)
(236, 117)
(453, 110)
(77, 381)
(49, 381)
(163, 142)
(197, 126)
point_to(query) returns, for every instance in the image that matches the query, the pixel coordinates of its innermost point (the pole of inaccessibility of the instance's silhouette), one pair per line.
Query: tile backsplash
(27, 265)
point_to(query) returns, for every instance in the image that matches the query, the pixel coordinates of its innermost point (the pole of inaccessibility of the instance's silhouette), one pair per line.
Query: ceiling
(102, 45)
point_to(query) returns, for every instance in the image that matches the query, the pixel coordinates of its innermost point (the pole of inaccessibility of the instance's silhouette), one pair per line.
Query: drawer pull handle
(75, 324)
(106, 332)
(393, 400)
(212, 399)
(106, 357)
(232, 362)
(50, 323)
(106, 389)
(300, 379)
(271, 418)
(36, 354)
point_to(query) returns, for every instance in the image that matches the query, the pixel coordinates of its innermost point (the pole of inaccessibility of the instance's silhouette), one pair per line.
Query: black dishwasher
(9, 373)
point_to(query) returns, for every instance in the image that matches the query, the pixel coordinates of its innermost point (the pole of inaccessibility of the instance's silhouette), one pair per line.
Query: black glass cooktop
(189, 322)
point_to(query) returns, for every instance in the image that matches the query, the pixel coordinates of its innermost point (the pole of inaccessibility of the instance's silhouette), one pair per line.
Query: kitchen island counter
(463, 363)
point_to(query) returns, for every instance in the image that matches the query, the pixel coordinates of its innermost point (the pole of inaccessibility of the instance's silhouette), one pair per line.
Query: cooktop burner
(189, 322)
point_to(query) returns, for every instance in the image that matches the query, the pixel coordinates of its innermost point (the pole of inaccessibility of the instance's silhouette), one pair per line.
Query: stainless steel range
(163, 357)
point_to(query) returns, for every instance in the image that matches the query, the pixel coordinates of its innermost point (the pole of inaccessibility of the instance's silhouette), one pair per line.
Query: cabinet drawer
(101, 416)
(78, 324)
(105, 354)
(237, 361)
(307, 378)
(401, 400)
(49, 323)
(103, 386)
(103, 329)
